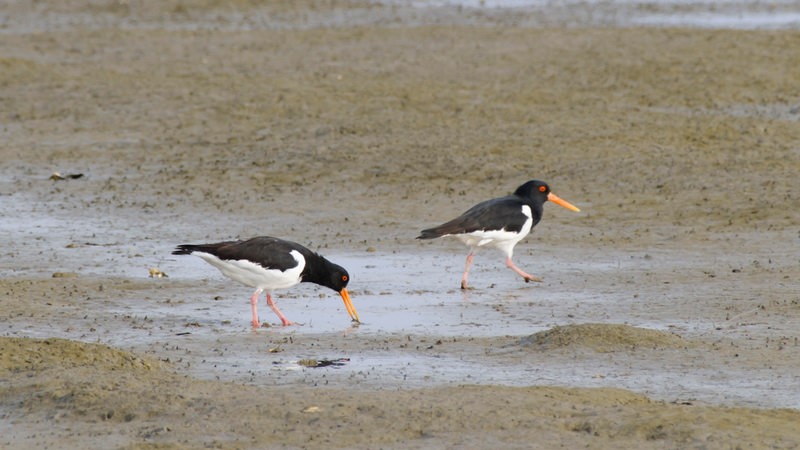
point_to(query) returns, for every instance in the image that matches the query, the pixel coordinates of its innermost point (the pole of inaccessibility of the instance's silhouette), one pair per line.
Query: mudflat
(670, 308)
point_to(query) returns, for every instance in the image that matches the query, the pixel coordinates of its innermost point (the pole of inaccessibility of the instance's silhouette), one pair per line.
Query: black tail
(185, 249)
(214, 249)
(430, 233)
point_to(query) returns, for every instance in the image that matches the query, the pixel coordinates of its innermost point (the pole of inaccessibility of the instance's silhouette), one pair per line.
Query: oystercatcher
(500, 223)
(267, 263)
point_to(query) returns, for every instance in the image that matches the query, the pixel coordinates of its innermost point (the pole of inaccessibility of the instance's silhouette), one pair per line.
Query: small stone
(65, 275)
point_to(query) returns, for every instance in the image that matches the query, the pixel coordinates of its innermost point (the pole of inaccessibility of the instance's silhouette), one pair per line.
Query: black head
(337, 278)
(535, 190)
(539, 192)
(320, 271)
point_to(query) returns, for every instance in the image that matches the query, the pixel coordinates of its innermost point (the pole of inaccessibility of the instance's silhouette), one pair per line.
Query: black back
(497, 213)
(274, 253)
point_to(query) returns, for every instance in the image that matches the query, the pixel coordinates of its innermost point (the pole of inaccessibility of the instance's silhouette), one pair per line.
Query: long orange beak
(558, 201)
(349, 305)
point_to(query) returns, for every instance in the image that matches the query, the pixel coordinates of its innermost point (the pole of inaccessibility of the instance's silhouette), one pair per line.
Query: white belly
(499, 239)
(253, 275)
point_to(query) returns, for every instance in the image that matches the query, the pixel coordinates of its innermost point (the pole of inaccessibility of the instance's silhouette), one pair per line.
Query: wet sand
(669, 310)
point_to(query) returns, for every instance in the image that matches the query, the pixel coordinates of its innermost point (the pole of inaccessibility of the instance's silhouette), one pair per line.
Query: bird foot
(533, 278)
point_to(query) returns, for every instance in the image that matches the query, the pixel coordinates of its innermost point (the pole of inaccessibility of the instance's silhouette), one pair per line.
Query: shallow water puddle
(419, 329)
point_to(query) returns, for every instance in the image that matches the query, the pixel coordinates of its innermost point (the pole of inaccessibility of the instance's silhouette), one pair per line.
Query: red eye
(344, 277)
(542, 188)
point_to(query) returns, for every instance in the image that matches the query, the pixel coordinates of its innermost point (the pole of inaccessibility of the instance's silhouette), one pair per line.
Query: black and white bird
(267, 264)
(500, 223)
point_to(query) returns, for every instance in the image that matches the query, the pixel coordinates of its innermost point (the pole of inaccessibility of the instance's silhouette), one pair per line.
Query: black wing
(496, 214)
(268, 252)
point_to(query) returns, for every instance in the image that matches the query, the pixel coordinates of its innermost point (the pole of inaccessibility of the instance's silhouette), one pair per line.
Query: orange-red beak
(349, 305)
(558, 201)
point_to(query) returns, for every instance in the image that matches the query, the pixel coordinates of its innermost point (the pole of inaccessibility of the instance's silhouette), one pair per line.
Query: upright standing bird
(500, 223)
(267, 263)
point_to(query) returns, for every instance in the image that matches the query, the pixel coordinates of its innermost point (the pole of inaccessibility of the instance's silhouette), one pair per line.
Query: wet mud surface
(669, 310)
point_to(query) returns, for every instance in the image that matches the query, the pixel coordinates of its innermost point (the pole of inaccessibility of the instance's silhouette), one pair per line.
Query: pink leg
(253, 306)
(519, 271)
(466, 270)
(277, 311)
